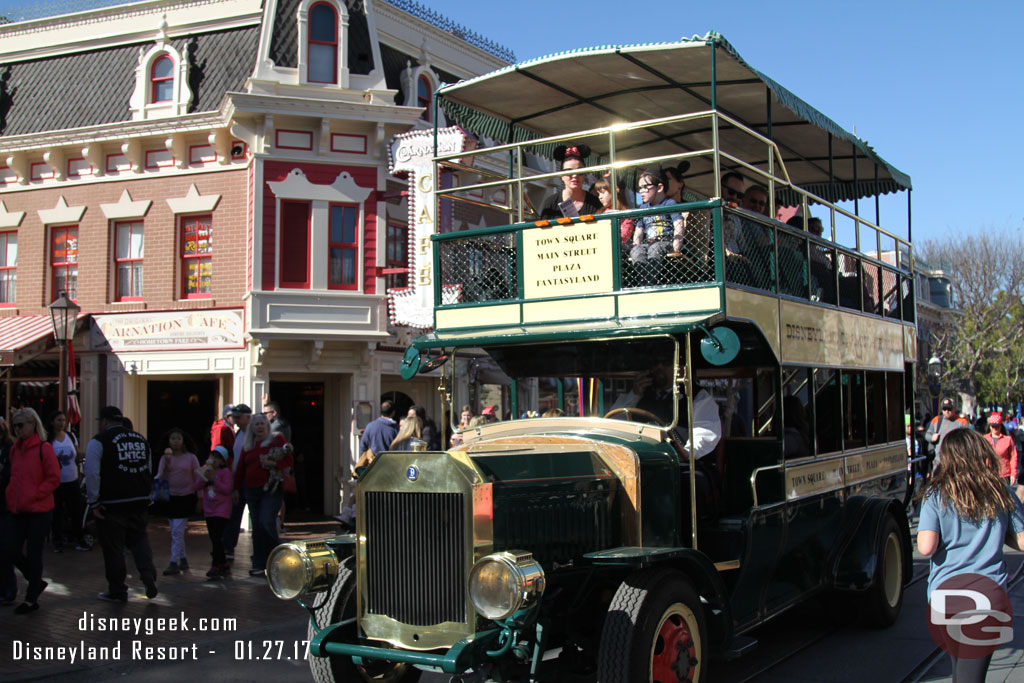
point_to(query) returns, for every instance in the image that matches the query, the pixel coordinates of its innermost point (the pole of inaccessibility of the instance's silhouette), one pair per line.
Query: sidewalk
(69, 608)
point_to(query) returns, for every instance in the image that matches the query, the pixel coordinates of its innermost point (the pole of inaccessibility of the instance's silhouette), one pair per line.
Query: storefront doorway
(190, 405)
(302, 404)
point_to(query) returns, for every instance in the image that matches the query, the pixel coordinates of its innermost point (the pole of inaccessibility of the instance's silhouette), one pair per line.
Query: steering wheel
(639, 412)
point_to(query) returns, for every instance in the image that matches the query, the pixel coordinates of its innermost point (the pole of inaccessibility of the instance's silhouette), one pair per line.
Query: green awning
(600, 86)
(531, 334)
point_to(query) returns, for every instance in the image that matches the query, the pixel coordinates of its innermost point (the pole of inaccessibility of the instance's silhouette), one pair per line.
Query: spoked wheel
(884, 599)
(655, 630)
(339, 604)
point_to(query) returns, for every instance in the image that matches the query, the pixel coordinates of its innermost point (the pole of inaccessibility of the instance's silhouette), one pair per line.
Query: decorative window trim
(117, 261)
(347, 143)
(302, 16)
(193, 202)
(10, 219)
(293, 139)
(11, 297)
(184, 259)
(37, 172)
(354, 247)
(61, 213)
(141, 101)
(154, 79)
(76, 168)
(200, 154)
(410, 80)
(54, 265)
(333, 45)
(126, 208)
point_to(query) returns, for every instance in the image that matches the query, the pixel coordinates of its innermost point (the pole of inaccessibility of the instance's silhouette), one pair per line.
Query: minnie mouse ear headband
(575, 151)
(682, 167)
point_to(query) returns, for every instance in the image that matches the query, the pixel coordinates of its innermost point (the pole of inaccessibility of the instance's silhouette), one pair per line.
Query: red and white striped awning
(20, 330)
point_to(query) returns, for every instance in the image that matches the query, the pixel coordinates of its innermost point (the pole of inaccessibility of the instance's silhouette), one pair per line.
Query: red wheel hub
(675, 655)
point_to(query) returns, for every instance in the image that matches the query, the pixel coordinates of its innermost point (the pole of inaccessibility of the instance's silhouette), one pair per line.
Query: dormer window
(162, 80)
(323, 44)
(424, 92)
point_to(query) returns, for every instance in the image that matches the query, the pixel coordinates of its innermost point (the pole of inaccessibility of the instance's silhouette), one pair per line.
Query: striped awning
(18, 331)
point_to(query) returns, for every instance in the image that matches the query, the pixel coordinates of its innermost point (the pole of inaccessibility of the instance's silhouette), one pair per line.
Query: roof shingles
(93, 88)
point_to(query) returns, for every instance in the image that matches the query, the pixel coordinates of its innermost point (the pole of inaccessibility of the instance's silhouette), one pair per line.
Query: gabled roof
(93, 88)
(599, 87)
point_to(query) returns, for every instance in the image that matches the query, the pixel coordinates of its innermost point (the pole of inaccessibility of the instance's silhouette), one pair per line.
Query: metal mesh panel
(750, 259)
(659, 254)
(823, 273)
(890, 294)
(872, 277)
(481, 268)
(792, 265)
(849, 281)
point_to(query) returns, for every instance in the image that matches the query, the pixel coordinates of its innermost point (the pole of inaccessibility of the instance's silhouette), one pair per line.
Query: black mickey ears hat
(574, 151)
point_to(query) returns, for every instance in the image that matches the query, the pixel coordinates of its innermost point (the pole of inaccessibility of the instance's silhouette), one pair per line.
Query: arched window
(323, 44)
(161, 80)
(424, 91)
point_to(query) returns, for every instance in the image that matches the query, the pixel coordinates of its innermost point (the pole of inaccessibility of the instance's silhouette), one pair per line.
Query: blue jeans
(263, 509)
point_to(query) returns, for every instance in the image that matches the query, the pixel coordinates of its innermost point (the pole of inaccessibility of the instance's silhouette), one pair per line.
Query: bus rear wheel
(885, 597)
(655, 630)
(338, 604)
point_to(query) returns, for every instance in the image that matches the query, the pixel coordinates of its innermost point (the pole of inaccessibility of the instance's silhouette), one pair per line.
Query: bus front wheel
(655, 630)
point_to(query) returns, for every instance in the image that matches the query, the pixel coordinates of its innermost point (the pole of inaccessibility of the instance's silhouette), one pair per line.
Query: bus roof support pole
(831, 172)
(716, 159)
(909, 231)
(856, 185)
(877, 206)
(771, 155)
(688, 381)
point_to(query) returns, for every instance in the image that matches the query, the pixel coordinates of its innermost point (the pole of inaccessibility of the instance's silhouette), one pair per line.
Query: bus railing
(775, 176)
(719, 245)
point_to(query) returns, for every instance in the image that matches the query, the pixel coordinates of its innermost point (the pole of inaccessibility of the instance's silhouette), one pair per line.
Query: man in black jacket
(118, 482)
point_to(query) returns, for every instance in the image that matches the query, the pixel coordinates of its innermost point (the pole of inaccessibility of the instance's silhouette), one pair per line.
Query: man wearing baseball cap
(943, 423)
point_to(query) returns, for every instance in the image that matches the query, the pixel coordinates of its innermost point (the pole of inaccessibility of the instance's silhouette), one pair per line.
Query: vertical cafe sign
(412, 153)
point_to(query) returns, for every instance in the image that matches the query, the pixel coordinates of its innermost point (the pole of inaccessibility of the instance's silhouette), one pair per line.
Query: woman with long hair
(967, 514)
(67, 508)
(262, 452)
(34, 476)
(411, 428)
(180, 467)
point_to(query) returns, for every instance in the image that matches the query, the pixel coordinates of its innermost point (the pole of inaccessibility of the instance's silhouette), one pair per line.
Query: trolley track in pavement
(917, 673)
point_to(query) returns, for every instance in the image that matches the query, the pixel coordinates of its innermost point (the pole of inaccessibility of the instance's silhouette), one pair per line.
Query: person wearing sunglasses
(35, 475)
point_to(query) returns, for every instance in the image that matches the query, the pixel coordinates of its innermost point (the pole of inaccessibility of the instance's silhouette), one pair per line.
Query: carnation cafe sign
(412, 153)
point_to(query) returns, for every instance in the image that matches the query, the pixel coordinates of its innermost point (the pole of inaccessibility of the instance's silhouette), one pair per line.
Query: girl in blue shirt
(967, 515)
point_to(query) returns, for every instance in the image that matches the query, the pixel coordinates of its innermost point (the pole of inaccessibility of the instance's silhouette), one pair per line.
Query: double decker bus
(727, 429)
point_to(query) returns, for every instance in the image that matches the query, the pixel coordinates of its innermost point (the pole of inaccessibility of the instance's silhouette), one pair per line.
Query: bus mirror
(435, 362)
(410, 363)
(719, 346)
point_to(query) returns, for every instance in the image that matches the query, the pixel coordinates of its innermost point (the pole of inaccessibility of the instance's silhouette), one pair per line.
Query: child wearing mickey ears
(216, 483)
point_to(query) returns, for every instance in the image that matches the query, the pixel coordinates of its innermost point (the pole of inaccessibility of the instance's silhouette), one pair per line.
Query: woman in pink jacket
(1004, 446)
(35, 475)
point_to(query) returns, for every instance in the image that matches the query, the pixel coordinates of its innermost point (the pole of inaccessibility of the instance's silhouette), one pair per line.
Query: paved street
(207, 608)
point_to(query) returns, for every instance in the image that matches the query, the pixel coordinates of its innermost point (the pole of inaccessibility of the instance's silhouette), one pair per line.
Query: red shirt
(223, 434)
(1007, 453)
(35, 475)
(250, 473)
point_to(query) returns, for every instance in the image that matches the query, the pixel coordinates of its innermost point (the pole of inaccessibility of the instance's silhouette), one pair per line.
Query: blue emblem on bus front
(412, 473)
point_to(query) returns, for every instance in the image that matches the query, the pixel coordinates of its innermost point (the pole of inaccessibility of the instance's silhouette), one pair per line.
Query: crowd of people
(50, 487)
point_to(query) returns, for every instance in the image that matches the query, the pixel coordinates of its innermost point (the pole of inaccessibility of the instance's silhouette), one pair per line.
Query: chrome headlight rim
(527, 578)
(317, 573)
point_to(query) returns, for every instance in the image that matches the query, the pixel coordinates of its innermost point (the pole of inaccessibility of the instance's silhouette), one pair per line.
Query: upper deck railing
(842, 226)
(587, 269)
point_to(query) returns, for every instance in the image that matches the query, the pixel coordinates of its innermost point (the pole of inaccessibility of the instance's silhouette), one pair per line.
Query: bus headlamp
(301, 567)
(503, 583)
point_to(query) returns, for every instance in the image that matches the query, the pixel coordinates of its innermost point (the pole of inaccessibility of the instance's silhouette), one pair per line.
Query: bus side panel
(810, 534)
(766, 531)
(661, 521)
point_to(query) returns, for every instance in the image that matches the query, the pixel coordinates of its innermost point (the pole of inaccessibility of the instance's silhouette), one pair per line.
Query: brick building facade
(210, 180)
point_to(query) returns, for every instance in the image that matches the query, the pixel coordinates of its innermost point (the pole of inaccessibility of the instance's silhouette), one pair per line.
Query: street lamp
(935, 366)
(64, 316)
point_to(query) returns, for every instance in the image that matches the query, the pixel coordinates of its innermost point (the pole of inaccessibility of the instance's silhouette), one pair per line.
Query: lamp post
(64, 316)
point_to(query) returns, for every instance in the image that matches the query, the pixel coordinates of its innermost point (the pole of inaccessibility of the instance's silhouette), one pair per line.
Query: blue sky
(935, 87)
